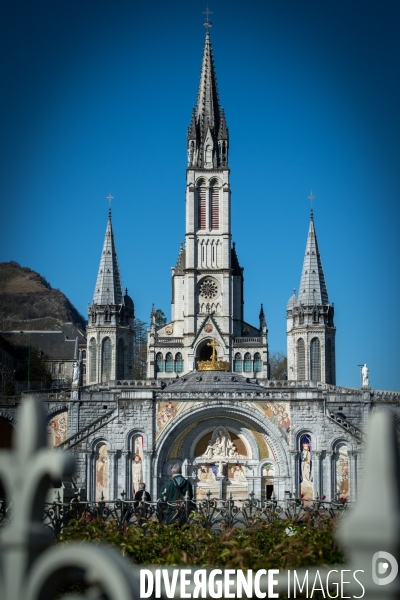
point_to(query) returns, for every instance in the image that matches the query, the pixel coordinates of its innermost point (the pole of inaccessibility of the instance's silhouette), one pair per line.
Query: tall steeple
(110, 324)
(312, 285)
(108, 288)
(207, 137)
(310, 328)
(207, 281)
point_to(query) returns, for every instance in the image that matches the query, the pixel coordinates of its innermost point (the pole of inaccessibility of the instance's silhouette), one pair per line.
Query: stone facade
(233, 432)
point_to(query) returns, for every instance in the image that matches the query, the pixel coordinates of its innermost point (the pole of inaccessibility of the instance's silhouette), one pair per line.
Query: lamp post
(29, 358)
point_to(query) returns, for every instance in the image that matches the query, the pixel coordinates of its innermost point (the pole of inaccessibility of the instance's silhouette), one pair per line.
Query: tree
(139, 349)
(160, 317)
(278, 365)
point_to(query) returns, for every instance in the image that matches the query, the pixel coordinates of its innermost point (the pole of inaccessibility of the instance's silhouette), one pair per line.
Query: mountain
(27, 301)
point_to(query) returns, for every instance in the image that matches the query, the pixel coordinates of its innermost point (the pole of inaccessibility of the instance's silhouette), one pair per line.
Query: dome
(209, 381)
(293, 301)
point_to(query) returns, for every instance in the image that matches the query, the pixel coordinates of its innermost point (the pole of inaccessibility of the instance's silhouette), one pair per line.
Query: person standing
(174, 491)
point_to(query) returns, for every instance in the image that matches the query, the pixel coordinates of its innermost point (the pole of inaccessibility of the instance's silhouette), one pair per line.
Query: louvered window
(238, 363)
(257, 363)
(159, 363)
(178, 363)
(315, 359)
(214, 208)
(202, 209)
(301, 360)
(169, 363)
(92, 358)
(248, 363)
(106, 360)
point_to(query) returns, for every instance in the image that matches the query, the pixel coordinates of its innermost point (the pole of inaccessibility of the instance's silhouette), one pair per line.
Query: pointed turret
(208, 133)
(111, 320)
(309, 315)
(108, 288)
(312, 289)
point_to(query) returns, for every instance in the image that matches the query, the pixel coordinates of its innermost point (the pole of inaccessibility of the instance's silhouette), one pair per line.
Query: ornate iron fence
(210, 512)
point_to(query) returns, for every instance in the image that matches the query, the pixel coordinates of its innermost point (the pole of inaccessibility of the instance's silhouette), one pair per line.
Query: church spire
(108, 288)
(312, 285)
(207, 133)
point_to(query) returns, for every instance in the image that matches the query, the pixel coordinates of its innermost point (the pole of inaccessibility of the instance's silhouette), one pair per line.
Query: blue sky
(97, 97)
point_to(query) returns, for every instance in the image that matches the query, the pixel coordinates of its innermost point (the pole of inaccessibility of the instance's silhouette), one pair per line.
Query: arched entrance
(248, 439)
(205, 351)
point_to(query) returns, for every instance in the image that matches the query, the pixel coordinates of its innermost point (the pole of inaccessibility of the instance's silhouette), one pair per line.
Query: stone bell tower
(309, 316)
(207, 281)
(110, 324)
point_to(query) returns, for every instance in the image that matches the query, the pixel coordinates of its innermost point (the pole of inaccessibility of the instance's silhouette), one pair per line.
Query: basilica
(208, 401)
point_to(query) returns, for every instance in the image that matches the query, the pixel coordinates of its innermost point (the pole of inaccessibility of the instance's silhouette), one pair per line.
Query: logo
(381, 561)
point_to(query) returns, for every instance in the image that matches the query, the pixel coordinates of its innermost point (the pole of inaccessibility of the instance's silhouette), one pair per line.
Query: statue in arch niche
(220, 446)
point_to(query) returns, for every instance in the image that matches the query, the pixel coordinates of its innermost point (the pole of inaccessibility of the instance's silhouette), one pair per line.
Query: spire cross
(214, 344)
(208, 23)
(311, 198)
(109, 198)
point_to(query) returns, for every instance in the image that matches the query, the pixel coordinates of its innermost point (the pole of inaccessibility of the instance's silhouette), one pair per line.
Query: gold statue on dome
(213, 364)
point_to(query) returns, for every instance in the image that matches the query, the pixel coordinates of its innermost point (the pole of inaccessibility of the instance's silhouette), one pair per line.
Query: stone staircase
(85, 432)
(349, 427)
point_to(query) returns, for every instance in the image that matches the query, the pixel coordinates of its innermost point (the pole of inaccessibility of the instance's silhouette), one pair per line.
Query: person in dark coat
(174, 491)
(142, 511)
(142, 495)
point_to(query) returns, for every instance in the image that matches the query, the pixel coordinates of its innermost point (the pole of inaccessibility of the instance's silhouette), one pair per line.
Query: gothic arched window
(178, 363)
(120, 359)
(169, 363)
(301, 360)
(159, 363)
(208, 154)
(315, 360)
(106, 353)
(92, 358)
(238, 363)
(248, 363)
(257, 363)
(201, 193)
(214, 193)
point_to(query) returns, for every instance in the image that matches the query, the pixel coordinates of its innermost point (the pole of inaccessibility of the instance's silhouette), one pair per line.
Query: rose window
(208, 289)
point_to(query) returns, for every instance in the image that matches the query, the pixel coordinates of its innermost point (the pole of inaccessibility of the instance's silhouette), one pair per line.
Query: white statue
(220, 446)
(365, 372)
(137, 473)
(76, 371)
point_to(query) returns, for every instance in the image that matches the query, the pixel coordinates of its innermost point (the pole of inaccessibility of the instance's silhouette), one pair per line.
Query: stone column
(352, 454)
(112, 471)
(331, 481)
(126, 480)
(294, 472)
(316, 458)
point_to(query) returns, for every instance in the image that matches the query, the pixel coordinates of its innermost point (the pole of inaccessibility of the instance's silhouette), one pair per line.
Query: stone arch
(52, 412)
(226, 410)
(9, 418)
(202, 351)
